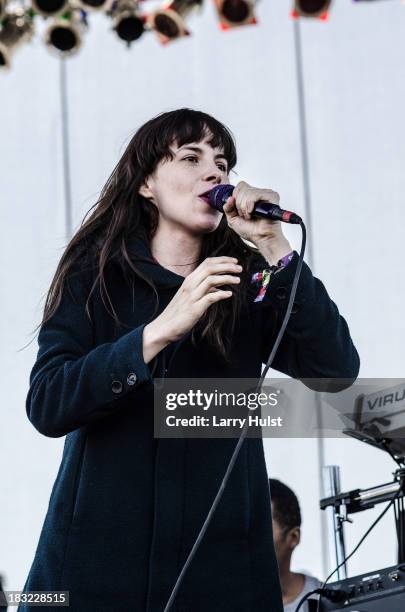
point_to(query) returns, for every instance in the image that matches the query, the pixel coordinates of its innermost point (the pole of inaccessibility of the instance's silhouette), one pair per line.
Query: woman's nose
(213, 176)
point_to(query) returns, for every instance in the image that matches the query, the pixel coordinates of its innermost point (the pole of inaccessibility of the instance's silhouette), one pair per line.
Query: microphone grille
(219, 194)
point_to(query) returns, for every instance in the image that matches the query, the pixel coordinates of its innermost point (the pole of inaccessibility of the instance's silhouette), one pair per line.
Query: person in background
(287, 534)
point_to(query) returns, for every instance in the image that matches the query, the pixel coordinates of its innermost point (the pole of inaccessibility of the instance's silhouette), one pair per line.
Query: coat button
(281, 293)
(131, 378)
(116, 386)
(295, 308)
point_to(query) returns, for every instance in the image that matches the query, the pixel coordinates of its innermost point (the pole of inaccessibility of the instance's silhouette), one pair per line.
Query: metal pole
(331, 486)
(310, 252)
(65, 148)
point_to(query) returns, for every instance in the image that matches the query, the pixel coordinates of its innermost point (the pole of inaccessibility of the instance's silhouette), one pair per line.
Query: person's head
(192, 153)
(159, 180)
(286, 521)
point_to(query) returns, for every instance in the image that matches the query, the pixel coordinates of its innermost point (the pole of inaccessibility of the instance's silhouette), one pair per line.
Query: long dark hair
(122, 213)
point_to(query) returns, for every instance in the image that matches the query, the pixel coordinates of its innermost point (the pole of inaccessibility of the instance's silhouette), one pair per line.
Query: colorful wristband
(262, 278)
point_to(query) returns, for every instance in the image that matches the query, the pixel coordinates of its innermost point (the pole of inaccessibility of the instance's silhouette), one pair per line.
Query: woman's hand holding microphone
(265, 234)
(200, 289)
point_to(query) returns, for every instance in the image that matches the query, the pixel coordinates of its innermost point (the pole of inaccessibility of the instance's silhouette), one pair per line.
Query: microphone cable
(246, 426)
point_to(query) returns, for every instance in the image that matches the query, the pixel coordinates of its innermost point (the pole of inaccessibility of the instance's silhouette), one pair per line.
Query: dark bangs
(182, 127)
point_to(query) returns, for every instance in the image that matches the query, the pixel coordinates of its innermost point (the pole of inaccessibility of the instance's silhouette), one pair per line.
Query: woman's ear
(146, 191)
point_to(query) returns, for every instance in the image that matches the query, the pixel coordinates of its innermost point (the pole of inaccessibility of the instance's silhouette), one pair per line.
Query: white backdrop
(354, 92)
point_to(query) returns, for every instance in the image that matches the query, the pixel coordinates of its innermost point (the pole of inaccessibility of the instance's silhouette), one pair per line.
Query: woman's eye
(194, 160)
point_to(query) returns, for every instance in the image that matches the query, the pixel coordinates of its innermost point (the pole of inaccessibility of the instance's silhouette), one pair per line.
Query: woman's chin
(201, 221)
(207, 223)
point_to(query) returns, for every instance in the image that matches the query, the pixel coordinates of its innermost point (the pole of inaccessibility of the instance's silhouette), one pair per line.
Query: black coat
(126, 508)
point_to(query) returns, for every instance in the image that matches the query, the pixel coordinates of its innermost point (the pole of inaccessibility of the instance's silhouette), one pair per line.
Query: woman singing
(157, 283)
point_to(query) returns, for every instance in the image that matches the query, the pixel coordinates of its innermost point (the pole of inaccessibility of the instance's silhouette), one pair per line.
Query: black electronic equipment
(378, 591)
(377, 416)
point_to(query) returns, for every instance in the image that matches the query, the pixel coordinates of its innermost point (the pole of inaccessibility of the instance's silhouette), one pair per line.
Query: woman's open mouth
(205, 196)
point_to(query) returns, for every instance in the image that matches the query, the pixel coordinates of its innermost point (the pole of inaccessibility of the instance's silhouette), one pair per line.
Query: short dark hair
(286, 508)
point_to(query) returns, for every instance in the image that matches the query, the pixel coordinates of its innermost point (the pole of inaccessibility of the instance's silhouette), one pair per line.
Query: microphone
(218, 195)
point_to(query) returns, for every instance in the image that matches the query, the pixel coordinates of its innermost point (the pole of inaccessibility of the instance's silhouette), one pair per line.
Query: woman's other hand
(200, 289)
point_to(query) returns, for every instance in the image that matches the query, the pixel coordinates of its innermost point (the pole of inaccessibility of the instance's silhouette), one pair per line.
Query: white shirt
(310, 584)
